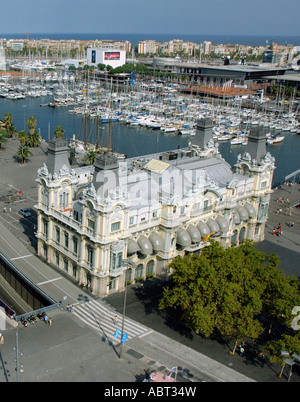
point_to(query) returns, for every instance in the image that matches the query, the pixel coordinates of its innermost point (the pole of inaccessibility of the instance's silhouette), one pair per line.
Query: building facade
(126, 219)
(113, 57)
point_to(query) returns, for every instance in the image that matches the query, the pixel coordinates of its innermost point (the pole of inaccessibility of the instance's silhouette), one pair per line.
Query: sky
(230, 17)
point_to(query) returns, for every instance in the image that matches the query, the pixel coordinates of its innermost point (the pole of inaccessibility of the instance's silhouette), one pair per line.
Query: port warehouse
(36, 298)
(240, 74)
(249, 77)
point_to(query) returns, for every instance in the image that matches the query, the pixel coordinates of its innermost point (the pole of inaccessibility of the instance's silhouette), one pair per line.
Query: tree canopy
(226, 290)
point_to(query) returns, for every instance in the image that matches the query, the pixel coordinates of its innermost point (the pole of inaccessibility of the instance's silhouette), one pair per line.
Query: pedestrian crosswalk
(102, 319)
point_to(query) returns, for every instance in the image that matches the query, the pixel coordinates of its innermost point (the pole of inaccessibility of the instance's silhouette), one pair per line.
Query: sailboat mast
(85, 110)
(97, 130)
(109, 122)
(109, 127)
(85, 120)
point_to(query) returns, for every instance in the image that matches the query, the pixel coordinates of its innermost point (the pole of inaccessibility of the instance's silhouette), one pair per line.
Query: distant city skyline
(230, 17)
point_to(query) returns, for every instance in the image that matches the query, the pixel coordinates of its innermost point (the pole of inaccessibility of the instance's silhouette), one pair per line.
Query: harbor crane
(26, 33)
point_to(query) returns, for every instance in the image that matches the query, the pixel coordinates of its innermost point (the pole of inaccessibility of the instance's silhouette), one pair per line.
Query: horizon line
(147, 33)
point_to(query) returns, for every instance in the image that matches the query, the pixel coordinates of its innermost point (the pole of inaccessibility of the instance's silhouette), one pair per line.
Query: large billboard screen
(112, 56)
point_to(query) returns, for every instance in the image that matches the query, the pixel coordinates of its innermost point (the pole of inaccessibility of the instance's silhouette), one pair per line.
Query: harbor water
(134, 141)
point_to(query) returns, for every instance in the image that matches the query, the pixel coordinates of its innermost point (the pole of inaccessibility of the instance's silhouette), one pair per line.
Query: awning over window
(145, 245)
(156, 241)
(194, 234)
(132, 247)
(222, 223)
(213, 226)
(203, 229)
(242, 212)
(251, 210)
(183, 238)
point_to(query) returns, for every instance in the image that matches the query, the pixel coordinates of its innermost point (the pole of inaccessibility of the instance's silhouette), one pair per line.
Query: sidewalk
(151, 351)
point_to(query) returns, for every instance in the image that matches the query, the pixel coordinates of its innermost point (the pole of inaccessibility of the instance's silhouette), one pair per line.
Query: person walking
(116, 320)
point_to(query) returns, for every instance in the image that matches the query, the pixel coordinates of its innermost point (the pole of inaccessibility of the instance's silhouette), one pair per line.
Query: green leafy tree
(8, 124)
(287, 342)
(3, 137)
(222, 290)
(31, 123)
(90, 157)
(34, 139)
(22, 137)
(59, 132)
(23, 153)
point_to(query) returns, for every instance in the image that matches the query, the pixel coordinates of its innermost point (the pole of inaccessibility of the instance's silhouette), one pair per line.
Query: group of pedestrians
(7, 210)
(278, 231)
(48, 320)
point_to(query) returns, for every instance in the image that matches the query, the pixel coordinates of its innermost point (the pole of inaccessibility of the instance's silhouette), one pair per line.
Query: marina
(149, 117)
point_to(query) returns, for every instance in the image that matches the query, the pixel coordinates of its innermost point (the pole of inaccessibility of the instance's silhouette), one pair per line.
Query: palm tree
(23, 153)
(34, 139)
(31, 123)
(90, 157)
(8, 124)
(59, 131)
(3, 137)
(22, 137)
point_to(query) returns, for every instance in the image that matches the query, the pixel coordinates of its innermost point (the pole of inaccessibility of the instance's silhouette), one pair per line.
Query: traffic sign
(124, 338)
(117, 333)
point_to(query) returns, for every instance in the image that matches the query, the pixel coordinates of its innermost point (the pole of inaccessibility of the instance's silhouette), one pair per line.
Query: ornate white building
(148, 209)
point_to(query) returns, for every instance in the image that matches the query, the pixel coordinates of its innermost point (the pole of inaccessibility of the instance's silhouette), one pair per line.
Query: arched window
(234, 237)
(150, 268)
(242, 234)
(139, 271)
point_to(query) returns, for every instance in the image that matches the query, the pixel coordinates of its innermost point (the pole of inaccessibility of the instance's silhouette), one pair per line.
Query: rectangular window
(91, 224)
(112, 285)
(74, 270)
(66, 240)
(63, 199)
(90, 255)
(131, 220)
(45, 227)
(57, 232)
(115, 226)
(116, 260)
(75, 245)
(264, 184)
(77, 216)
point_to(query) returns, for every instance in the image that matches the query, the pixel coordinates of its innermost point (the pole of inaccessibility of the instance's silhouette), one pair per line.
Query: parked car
(25, 212)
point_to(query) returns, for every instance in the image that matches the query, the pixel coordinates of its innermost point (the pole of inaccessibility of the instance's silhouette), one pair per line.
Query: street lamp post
(133, 265)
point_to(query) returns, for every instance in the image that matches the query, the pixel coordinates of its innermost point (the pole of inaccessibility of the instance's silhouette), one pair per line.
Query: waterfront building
(147, 46)
(113, 57)
(148, 209)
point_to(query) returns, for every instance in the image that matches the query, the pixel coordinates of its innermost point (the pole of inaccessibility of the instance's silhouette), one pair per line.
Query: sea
(251, 40)
(135, 141)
